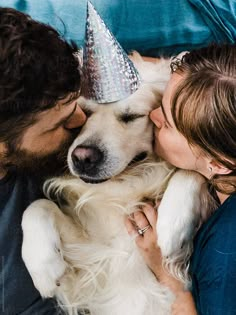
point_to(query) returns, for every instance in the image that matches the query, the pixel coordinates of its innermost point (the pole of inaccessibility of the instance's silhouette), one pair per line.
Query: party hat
(109, 75)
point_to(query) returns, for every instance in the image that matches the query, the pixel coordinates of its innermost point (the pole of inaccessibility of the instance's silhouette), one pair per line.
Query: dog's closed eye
(129, 117)
(87, 112)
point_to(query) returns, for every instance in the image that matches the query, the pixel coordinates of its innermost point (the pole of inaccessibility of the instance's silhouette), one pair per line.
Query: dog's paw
(179, 211)
(41, 249)
(173, 233)
(46, 276)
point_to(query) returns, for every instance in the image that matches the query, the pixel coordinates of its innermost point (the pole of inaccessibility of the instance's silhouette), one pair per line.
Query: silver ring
(143, 230)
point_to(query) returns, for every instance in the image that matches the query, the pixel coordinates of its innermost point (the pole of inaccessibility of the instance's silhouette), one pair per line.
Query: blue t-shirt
(213, 263)
(17, 292)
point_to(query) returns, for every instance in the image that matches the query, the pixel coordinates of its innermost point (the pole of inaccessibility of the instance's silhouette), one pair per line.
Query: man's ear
(218, 168)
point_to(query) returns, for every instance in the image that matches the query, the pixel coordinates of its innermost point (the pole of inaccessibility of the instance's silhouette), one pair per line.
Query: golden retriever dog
(75, 244)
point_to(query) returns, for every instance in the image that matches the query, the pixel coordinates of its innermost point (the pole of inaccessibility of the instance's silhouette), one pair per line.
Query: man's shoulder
(19, 188)
(16, 193)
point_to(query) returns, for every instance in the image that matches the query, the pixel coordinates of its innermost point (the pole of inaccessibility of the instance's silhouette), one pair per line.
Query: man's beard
(43, 165)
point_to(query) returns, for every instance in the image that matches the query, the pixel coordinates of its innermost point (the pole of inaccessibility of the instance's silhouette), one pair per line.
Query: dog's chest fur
(101, 207)
(105, 255)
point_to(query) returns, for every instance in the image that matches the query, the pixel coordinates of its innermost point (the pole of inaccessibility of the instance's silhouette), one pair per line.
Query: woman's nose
(76, 120)
(157, 117)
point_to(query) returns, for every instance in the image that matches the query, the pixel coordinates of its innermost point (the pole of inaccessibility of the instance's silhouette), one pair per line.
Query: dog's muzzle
(86, 160)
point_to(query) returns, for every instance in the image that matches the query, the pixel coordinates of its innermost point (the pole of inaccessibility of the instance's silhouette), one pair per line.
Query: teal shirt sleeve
(151, 27)
(213, 264)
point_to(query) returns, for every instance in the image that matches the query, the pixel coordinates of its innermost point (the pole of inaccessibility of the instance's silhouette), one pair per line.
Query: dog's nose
(86, 158)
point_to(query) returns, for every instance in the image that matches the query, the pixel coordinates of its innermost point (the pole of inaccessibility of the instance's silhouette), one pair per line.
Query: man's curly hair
(37, 69)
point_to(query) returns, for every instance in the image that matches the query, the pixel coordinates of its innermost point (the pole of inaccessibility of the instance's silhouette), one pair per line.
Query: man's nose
(157, 117)
(76, 120)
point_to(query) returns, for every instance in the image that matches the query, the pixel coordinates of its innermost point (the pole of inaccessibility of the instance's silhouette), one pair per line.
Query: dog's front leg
(179, 211)
(41, 248)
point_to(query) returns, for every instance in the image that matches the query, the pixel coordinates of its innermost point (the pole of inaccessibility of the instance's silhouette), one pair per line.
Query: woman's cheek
(162, 136)
(159, 142)
(165, 143)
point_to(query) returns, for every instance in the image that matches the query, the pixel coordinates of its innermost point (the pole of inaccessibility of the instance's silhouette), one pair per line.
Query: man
(39, 117)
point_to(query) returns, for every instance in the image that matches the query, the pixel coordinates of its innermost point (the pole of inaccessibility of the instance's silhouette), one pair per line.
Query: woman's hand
(147, 242)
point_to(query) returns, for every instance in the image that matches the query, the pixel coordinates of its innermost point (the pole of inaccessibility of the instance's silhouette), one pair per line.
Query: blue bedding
(152, 27)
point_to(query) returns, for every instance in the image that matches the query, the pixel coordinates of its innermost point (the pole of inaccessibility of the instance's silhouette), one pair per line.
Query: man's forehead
(53, 113)
(66, 100)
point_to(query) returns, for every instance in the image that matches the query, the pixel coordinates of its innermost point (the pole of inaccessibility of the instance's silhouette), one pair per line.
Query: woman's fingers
(142, 225)
(137, 225)
(143, 222)
(140, 219)
(130, 227)
(151, 215)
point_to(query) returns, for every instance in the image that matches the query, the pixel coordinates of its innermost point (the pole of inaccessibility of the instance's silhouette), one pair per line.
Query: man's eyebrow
(164, 114)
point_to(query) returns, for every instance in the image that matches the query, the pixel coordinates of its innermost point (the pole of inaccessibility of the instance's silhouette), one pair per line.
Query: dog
(75, 245)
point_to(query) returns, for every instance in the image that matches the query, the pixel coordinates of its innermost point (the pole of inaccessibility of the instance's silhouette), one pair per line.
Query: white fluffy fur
(84, 244)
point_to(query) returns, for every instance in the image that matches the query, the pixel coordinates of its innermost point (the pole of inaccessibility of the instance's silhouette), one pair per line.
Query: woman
(195, 129)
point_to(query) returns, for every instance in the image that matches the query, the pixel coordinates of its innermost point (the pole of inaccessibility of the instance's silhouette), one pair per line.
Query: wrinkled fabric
(213, 263)
(17, 292)
(220, 16)
(151, 27)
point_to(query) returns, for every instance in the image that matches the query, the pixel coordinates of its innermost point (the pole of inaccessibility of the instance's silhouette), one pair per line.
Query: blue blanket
(151, 27)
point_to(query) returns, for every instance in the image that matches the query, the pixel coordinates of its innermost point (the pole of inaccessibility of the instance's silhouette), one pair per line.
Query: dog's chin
(92, 180)
(138, 158)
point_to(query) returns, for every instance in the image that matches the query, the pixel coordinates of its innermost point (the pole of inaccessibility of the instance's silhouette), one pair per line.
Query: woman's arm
(147, 244)
(184, 304)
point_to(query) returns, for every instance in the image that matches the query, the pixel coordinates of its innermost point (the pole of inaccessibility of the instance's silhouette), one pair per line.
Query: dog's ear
(82, 101)
(135, 57)
(158, 95)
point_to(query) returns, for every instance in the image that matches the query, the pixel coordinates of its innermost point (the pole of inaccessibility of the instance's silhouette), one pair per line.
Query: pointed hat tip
(90, 6)
(109, 75)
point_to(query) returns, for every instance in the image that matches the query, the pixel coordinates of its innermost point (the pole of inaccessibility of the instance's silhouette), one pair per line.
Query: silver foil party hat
(109, 75)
